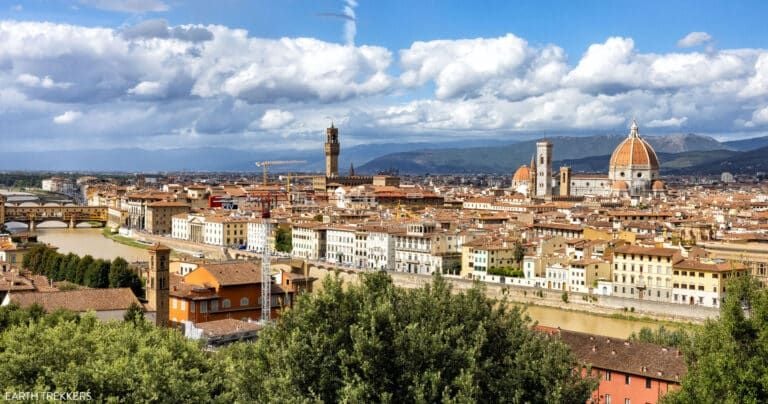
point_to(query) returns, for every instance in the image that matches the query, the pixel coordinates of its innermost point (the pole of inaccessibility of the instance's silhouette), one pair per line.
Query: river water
(83, 241)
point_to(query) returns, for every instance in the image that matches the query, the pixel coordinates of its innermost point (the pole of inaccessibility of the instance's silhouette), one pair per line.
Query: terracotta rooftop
(235, 273)
(653, 251)
(79, 300)
(628, 357)
(228, 326)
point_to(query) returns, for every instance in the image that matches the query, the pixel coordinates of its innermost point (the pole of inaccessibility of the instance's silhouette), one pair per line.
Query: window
(203, 307)
(608, 375)
(244, 301)
(607, 399)
(626, 379)
(626, 401)
(647, 382)
(226, 303)
(183, 305)
(173, 303)
(192, 307)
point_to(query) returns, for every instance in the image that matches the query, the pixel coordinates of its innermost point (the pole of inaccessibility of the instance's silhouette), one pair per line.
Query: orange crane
(266, 164)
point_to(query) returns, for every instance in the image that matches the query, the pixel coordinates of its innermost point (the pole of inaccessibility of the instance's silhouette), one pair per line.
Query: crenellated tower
(332, 149)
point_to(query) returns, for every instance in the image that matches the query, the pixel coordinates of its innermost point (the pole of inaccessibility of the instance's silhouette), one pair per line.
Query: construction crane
(290, 176)
(266, 273)
(266, 164)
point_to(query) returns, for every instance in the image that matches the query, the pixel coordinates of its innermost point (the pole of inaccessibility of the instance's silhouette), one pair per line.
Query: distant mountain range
(205, 159)
(677, 153)
(747, 144)
(507, 158)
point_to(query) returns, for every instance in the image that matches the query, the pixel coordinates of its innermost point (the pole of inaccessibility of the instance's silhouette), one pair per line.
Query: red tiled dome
(620, 186)
(522, 174)
(634, 152)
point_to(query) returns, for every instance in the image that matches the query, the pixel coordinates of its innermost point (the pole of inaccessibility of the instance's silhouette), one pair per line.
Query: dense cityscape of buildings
(627, 234)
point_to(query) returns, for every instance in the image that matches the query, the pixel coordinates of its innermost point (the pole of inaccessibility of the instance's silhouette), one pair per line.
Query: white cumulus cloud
(275, 119)
(694, 39)
(67, 117)
(671, 122)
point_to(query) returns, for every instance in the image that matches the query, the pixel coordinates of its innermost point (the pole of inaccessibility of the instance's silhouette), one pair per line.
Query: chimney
(613, 352)
(594, 348)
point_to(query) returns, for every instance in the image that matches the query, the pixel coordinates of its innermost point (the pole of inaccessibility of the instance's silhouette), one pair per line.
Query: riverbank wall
(604, 305)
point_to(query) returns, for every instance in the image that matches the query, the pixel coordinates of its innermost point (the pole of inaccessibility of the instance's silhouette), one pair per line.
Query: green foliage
(728, 358)
(134, 314)
(679, 338)
(564, 297)
(115, 362)
(519, 252)
(86, 271)
(12, 315)
(318, 218)
(506, 271)
(283, 239)
(374, 342)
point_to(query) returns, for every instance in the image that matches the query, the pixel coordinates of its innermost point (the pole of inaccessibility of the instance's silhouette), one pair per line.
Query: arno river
(90, 241)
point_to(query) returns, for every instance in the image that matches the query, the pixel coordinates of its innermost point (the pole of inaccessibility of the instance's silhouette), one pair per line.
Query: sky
(256, 74)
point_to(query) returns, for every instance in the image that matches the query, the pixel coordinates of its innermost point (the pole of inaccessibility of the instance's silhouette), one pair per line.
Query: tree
(82, 268)
(283, 240)
(97, 274)
(519, 252)
(119, 274)
(728, 357)
(663, 336)
(134, 314)
(113, 362)
(374, 342)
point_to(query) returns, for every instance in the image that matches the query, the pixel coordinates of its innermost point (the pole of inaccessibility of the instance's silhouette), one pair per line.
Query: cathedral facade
(633, 171)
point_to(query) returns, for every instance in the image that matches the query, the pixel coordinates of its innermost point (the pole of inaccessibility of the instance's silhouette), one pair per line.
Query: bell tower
(543, 168)
(158, 279)
(332, 149)
(2, 211)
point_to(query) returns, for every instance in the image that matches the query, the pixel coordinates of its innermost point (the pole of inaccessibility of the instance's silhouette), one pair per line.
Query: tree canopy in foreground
(371, 342)
(375, 342)
(728, 358)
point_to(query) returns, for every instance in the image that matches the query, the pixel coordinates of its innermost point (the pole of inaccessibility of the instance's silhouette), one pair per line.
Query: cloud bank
(157, 85)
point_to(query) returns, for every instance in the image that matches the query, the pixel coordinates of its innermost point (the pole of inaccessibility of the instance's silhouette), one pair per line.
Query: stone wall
(604, 305)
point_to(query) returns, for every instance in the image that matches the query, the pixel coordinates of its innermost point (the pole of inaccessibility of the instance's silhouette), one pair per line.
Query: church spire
(351, 170)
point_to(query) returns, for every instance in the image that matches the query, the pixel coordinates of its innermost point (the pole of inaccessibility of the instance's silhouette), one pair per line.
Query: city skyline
(101, 74)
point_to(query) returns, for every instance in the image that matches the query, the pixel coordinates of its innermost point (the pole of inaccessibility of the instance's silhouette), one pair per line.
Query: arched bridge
(32, 215)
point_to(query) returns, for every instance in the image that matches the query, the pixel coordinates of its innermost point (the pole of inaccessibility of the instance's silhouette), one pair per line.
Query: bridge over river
(32, 214)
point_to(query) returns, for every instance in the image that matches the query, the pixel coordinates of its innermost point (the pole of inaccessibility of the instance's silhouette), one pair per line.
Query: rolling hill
(507, 158)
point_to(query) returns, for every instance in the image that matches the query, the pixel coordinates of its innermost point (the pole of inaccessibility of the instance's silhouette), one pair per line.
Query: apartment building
(159, 219)
(256, 233)
(225, 231)
(583, 274)
(644, 272)
(308, 240)
(703, 283)
(424, 249)
(341, 244)
(380, 248)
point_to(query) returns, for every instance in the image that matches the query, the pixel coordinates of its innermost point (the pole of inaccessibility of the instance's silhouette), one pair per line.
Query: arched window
(226, 303)
(639, 175)
(244, 301)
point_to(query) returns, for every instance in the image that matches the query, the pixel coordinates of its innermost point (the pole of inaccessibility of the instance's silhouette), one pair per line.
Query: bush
(564, 296)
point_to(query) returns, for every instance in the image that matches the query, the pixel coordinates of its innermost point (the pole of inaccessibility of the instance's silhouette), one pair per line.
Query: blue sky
(171, 73)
